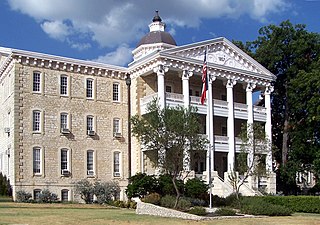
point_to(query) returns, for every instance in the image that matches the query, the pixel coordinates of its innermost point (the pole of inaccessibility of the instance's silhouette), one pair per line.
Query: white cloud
(121, 56)
(111, 23)
(56, 29)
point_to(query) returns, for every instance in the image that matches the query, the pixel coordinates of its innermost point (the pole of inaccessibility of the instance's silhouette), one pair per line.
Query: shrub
(119, 203)
(141, 184)
(105, 192)
(5, 187)
(183, 204)
(232, 200)
(195, 188)
(224, 211)
(167, 201)
(153, 198)
(198, 210)
(85, 189)
(197, 202)
(23, 196)
(47, 197)
(166, 186)
(257, 206)
(218, 201)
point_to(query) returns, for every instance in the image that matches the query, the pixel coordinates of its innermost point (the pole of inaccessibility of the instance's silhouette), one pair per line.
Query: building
(65, 119)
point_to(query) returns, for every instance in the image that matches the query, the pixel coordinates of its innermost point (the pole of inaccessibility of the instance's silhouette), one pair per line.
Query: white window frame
(64, 85)
(64, 121)
(90, 90)
(37, 160)
(64, 165)
(37, 82)
(36, 194)
(116, 127)
(116, 92)
(90, 166)
(90, 123)
(36, 121)
(117, 162)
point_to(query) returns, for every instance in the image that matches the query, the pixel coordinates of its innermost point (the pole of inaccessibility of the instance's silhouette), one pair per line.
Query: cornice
(41, 60)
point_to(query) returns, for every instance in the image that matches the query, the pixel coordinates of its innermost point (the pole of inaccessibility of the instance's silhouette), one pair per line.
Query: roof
(157, 37)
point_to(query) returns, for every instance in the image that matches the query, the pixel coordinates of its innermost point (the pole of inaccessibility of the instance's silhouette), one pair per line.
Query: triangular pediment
(222, 52)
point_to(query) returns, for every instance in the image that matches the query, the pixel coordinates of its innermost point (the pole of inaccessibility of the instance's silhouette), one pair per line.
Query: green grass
(23, 213)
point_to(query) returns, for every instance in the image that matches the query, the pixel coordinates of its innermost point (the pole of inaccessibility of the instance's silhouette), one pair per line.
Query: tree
(141, 185)
(86, 190)
(251, 160)
(106, 191)
(170, 135)
(290, 52)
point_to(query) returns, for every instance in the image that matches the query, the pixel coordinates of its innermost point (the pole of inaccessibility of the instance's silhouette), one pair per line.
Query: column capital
(231, 83)
(251, 86)
(211, 78)
(160, 69)
(186, 74)
(269, 89)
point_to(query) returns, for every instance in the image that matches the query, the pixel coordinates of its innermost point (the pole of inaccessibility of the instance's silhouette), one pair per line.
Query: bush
(166, 185)
(85, 189)
(232, 200)
(225, 212)
(257, 206)
(106, 192)
(5, 187)
(197, 202)
(198, 210)
(153, 198)
(141, 184)
(168, 201)
(306, 204)
(218, 201)
(47, 197)
(195, 188)
(23, 196)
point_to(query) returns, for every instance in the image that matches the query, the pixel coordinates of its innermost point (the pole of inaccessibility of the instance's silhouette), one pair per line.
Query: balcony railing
(220, 106)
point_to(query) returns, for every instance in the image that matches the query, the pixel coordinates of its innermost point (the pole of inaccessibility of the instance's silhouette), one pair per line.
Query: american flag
(204, 79)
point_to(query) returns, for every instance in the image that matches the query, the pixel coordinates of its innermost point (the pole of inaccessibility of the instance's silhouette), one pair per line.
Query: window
(90, 125)
(89, 88)
(64, 195)
(90, 161)
(63, 85)
(64, 157)
(168, 88)
(224, 131)
(64, 122)
(116, 164)
(116, 127)
(36, 120)
(37, 160)
(36, 194)
(116, 92)
(36, 82)
(198, 93)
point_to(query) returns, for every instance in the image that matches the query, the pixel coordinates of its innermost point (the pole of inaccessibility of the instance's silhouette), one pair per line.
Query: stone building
(63, 119)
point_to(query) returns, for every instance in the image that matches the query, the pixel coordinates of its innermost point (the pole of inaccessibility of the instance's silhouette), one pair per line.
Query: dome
(157, 37)
(157, 33)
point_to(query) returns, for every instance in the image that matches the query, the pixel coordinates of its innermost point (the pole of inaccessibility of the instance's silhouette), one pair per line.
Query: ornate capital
(186, 74)
(231, 83)
(160, 69)
(212, 78)
(269, 89)
(250, 86)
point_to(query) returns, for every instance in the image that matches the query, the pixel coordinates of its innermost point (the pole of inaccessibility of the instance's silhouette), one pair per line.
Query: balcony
(220, 106)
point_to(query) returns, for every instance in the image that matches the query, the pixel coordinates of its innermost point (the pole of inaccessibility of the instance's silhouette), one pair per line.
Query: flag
(204, 79)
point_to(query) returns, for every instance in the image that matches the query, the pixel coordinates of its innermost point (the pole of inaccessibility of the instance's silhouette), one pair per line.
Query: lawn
(23, 213)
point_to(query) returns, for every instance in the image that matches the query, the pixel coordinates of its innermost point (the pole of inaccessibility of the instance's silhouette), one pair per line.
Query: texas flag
(204, 79)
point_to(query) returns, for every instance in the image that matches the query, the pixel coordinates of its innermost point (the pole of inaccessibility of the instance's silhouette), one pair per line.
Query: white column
(160, 70)
(249, 89)
(230, 124)
(185, 87)
(268, 128)
(186, 102)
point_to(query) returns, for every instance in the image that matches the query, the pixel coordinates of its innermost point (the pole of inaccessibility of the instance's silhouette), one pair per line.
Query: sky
(108, 30)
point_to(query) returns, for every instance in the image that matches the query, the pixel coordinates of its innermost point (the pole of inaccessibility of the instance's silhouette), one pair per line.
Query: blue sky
(108, 30)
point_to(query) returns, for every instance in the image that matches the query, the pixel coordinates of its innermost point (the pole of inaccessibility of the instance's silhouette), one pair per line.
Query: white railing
(220, 105)
(221, 139)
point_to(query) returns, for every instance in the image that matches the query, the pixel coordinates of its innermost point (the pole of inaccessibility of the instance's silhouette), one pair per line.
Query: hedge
(306, 204)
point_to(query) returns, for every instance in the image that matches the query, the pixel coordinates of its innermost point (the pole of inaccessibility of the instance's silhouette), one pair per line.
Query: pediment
(221, 52)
